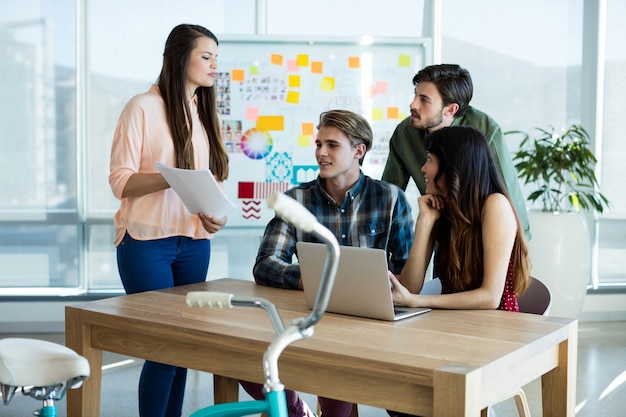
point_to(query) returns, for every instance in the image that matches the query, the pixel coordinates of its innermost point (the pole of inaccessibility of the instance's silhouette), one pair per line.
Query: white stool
(43, 370)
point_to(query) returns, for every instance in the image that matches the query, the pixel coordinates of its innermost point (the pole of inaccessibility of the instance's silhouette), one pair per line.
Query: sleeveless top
(508, 301)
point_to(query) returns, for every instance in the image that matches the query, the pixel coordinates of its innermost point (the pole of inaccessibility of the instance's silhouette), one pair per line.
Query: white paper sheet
(198, 190)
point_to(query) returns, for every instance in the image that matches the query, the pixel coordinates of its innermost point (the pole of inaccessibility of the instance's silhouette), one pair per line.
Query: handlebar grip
(209, 299)
(292, 211)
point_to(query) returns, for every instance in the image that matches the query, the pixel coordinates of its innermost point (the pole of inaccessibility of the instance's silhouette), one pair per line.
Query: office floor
(601, 382)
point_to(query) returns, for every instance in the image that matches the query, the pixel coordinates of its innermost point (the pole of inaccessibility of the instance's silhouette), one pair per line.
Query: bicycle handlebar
(296, 214)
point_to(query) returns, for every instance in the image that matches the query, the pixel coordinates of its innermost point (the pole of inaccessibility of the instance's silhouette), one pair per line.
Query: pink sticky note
(252, 113)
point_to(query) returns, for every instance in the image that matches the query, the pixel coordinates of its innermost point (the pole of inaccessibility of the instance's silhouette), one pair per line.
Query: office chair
(40, 369)
(537, 299)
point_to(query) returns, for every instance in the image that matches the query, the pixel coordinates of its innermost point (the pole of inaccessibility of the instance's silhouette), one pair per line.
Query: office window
(612, 224)
(39, 233)
(523, 78)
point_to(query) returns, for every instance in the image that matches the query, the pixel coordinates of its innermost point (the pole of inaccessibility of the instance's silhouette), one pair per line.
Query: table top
(408, 351)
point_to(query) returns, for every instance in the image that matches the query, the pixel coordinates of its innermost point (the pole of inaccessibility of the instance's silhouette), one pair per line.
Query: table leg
(558, 387)
(225, 390)
(456, 391)
(84, 401)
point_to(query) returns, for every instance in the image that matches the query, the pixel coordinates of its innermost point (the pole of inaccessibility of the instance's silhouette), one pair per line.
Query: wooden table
(443, 363)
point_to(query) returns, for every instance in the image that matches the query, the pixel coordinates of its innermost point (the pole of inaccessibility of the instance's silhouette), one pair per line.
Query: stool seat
(40, 364)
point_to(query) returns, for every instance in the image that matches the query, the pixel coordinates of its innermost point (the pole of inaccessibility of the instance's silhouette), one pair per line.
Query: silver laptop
(361, 286)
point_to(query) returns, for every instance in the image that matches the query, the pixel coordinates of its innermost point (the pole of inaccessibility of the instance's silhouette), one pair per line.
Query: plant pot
(560, 252)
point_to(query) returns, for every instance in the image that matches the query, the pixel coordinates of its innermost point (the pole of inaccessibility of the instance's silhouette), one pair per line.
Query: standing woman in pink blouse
(466, 216)
(159, 243)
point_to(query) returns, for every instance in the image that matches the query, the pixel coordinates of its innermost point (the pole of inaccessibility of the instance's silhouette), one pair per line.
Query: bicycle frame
(274, 404)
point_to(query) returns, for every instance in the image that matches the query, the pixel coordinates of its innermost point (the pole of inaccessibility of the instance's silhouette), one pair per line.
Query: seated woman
(467, 217)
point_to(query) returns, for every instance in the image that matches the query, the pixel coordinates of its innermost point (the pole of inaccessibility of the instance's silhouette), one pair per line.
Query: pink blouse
(142, 137)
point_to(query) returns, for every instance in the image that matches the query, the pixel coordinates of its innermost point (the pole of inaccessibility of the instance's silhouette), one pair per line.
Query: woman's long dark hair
(172, 80)
(471, 175)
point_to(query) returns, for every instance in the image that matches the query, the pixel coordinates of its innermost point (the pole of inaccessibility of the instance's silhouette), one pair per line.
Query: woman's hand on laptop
(399, 293)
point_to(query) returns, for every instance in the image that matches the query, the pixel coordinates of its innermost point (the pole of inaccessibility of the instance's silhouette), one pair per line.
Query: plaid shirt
(374, 214)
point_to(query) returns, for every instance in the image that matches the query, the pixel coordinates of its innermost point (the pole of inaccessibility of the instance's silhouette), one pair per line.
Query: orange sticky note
(404, 60)
(294, 81)
(377, 114)
(270, 123)
(293, 97)
(354, 62)
(327, 84)
(304, 140)
(302, 60)
(307, 128)
(237, 75)
(277, 59)
(392, 112)
(317, 67)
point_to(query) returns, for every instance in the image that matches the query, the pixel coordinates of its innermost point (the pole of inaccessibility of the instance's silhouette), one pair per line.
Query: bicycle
(275, 404)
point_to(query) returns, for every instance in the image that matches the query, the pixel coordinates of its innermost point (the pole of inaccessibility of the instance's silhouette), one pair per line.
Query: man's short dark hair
(453, 83)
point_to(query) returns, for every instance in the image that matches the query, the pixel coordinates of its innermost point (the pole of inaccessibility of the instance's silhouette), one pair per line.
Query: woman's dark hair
(453, 83)
(172, 81)
(470, 173)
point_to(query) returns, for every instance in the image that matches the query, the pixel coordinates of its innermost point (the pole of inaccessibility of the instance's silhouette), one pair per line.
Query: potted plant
(559, 167)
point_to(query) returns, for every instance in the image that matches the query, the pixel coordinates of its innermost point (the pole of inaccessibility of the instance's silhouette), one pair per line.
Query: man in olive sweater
(442, 96)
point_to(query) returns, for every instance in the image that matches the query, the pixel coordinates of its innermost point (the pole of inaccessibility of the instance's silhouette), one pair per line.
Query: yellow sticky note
(304, 140)
(317, 67)
(293, 97)
(302, 60)
(277, 59)
(354, 62)
(404, 60)
(392, 112)
(377, 114)
(307, 128)
(270, 123)
(254, 70)
(327, 84)
(237, 75)
(294, 81)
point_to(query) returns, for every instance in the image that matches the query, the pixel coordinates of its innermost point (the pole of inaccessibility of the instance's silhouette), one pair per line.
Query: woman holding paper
(159, 243)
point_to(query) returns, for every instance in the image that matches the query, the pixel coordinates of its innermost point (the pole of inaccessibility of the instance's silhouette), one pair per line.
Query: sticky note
(307, 128)
(377, 114)
(270, 123)
(302, 60)
(381, 87)
(327, 84)
(292, 65)
(404, 60)
(254, 70)
(237, 75)
(354, 62)
(317, 67)
(294, 81)
(392, 112)
(304, 140)
(293, 97)
(252, 113)
(276, 59)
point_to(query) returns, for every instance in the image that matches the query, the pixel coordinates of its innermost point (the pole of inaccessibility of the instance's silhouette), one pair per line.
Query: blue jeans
(146, 265)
